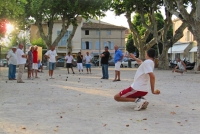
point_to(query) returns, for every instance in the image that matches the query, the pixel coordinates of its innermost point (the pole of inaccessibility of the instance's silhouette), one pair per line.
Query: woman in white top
(69, 58)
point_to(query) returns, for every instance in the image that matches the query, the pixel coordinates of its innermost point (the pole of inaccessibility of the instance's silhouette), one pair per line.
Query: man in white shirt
(88, 59)
(180, 65)
(69, 58)
(51, 55)
(21, 61)
(139, 87)
(12, 62)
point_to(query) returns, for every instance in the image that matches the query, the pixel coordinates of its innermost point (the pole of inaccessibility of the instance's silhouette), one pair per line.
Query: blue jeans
(52, 65)
(11, 71)
(105, 71)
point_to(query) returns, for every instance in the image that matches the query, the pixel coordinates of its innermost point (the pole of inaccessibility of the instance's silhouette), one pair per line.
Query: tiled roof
(92, 25)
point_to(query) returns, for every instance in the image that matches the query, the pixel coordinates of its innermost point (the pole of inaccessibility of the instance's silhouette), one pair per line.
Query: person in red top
(35, 61)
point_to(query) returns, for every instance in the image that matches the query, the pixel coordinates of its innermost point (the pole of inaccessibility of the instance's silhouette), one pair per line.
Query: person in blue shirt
(118, 60)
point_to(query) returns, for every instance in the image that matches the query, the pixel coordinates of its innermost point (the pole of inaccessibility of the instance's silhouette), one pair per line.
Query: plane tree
(67, 11)
(160, 35)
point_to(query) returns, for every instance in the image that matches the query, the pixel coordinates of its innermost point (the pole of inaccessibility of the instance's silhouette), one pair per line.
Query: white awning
(178, 48)
(194, 49)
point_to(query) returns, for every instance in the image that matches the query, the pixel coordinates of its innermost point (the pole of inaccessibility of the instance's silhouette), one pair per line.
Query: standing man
(80, 62)
(88, 60)
(180, 65)
(51, 55)
(118, 61)
(104, 63)
(35, 61)
(12, 62)
(21, 60)
(30, 62)
(69, 58)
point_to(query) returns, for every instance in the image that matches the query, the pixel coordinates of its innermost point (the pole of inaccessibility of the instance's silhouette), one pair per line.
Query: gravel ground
(83, 103)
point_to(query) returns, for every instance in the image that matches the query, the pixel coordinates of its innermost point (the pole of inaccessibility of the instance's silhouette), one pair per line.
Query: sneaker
(140, 104)
(145, 105)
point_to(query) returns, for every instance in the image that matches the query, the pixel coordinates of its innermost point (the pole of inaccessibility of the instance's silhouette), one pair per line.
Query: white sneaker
(146, 104)
(140, 104)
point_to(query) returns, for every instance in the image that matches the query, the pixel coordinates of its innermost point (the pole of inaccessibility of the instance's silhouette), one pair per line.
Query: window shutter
(105, 44)
(112, 45)
(97, 45)
(83, 45)
(90, 45)
(59, 43)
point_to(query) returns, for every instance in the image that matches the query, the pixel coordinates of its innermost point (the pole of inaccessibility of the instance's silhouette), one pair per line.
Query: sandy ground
(84, 104)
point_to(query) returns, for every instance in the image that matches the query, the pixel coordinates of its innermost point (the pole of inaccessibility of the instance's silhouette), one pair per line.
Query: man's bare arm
(136, 59)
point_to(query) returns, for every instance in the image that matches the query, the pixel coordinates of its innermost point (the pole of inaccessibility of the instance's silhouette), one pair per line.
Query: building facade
(90, 36)
(186, 47)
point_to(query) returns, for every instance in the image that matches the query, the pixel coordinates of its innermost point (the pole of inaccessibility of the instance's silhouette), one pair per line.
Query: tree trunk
(142, 53)
(198, 10)
(163, 62)
(198, 55)
(69, 40)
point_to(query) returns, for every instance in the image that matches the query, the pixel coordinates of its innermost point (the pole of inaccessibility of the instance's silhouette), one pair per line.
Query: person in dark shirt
(104, 63)
(80, 62)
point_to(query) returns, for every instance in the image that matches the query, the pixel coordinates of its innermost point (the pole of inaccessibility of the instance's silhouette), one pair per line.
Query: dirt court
(84, 104)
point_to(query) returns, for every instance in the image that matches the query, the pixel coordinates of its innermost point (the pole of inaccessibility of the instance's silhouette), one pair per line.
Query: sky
(119, 20)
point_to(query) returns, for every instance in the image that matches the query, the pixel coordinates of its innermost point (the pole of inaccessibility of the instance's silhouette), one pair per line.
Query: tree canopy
(65, 10)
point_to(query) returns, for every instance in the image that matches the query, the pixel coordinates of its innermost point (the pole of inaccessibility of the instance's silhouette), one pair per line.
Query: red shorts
(131, 93)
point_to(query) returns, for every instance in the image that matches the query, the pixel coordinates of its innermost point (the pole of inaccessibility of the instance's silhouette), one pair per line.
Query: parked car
(62, 61)
(3, 63)
(111, 62)
(125, 63)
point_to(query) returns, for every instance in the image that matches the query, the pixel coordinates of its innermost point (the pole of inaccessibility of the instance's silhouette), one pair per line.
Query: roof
(92, 25)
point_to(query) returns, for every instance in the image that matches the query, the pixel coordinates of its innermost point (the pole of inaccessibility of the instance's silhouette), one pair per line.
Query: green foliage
(130, 45)
(39, 42)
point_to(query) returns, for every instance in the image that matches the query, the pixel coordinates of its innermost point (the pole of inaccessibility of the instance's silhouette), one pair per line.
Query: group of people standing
(16, 56)
(69, 60)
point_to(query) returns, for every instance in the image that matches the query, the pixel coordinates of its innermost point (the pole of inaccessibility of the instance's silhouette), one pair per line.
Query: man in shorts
(69, 58)
(30, 62)
(118, 61)
(51, 55)
(139, 87)
(180, 65)
(35, 61)
(80, 62)
(88, 60)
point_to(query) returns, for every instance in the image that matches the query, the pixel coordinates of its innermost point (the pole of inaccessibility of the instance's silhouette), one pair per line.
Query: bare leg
(90, 70)
(73, 70)
(118, 75)
(118, 98)
(115, 75)
(49, 72)
(68, 70)
(87, 70)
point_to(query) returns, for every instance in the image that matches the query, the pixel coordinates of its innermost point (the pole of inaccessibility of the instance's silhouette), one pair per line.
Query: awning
(194, 49)
(178, 48)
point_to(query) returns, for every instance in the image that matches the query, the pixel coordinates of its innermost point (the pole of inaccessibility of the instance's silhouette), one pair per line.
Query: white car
(133, 63)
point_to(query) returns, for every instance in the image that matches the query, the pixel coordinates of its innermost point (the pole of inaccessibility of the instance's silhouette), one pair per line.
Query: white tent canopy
(178, 48)
(194, 49)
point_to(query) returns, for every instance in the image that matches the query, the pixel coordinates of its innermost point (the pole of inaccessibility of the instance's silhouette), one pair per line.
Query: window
(86, 32)
(109, 44)
(97, 45)
(188, 36)
(87, 45)
(108, 32)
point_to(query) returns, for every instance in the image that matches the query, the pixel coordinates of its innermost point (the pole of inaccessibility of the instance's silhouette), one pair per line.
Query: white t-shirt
(20, 59)
(141, 78)
(180, 66)
(52, 55)
(12, 58)
(69, 58)
(87, 59)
